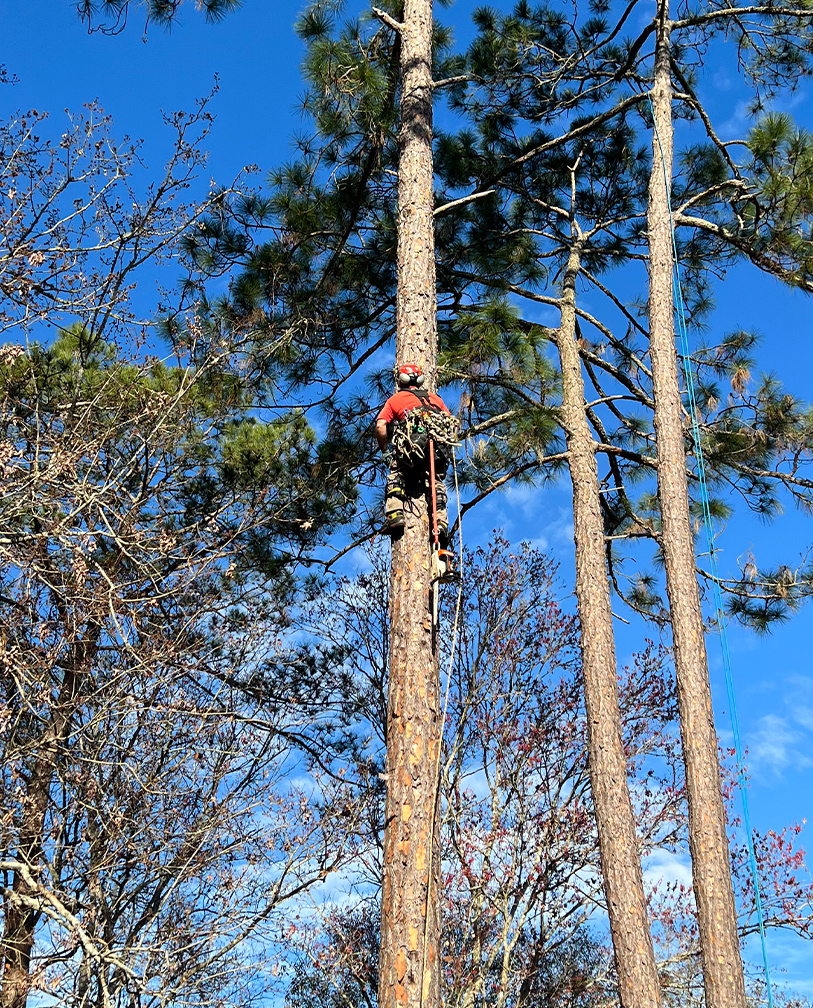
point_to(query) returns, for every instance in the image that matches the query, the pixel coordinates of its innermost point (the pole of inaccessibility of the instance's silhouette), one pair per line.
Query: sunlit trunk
(409, 972)
(711, 872)
(620, 851)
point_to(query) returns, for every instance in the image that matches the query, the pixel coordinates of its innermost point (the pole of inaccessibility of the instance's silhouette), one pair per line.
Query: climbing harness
(715, 578)
(425, 431)
(421, 425)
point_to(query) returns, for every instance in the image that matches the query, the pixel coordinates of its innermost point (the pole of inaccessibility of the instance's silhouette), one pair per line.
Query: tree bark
(409, 965)
(711, 871)
(21, 920)
(620, 851)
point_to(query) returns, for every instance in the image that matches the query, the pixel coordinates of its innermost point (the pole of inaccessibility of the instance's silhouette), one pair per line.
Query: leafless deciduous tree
(522, 867)
(147, 556)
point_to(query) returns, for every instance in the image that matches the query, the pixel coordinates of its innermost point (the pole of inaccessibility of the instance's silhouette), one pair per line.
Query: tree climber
(408, 421)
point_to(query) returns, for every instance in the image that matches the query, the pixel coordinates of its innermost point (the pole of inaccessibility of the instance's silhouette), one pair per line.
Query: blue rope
(715, 580)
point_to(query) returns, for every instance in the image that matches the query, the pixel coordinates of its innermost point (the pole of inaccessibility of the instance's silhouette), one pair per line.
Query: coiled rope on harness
(411, 436)
(688, 373)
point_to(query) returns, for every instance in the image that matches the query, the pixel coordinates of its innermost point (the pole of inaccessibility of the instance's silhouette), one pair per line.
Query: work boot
(393, 522)
(443, 528)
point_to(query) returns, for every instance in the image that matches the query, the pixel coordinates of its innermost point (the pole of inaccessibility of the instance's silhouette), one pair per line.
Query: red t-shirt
(398, 405)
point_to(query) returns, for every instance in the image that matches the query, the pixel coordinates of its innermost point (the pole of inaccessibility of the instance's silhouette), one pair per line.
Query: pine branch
(388, 19)
(804, 13)
(460, 79)
(536, 463)
(578, 131)
(760, 259)
(699, 108)
(463, 199)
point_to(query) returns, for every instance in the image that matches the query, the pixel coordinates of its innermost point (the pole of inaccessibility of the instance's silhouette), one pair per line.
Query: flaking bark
(409, 975)
(620, 851)
(711, 872)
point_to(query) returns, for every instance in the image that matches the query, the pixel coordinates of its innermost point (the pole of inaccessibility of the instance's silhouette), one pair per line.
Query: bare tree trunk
(620, 852)
(711, 871)
(20, 924)
(409, 974)
(20, 919)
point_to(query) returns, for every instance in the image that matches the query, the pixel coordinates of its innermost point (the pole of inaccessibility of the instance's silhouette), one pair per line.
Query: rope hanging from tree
(715, 578)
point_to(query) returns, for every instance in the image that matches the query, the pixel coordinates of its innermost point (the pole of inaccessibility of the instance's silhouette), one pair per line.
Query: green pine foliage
(778, 217)
(546, 151)
(110, 16)
(163, 444)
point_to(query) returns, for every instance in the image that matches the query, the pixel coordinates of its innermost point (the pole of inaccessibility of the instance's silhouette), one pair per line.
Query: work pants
(413, 481)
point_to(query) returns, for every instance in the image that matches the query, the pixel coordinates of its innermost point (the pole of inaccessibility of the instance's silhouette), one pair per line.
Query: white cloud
(525, 497)
(803, 715)
(799, 690)
(561, 529)
(802, 685)
(789, 959)
(663, 867)
(740, 122)
(722, 80)
(777, 744)
(736, 124)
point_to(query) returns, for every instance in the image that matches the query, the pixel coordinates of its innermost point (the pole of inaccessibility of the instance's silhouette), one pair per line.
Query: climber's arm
(381, 434)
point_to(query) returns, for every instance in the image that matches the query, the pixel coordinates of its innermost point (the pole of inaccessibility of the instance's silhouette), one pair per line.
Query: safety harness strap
(424, 423)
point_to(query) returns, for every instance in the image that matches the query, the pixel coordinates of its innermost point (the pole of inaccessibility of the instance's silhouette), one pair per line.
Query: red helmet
(409, 374)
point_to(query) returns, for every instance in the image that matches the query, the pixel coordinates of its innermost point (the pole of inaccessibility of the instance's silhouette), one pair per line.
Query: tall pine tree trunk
(409, 970)
(620, 852)
(711, 872)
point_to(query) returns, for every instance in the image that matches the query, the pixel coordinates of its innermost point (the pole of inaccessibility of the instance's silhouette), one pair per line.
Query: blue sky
(256, 56)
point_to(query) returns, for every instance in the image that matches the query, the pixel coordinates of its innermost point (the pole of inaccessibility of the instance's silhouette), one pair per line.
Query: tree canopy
(195, 710)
